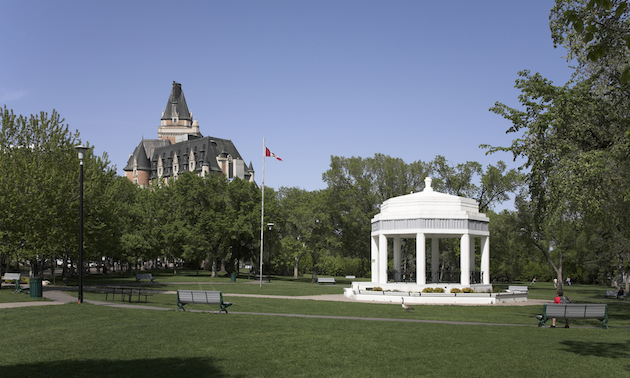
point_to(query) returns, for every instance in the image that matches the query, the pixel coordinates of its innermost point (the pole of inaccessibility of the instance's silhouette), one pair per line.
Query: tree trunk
(619, 279)
(53, 266)
(296, 271)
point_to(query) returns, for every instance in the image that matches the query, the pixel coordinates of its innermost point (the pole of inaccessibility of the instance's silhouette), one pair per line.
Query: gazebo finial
(427, 184)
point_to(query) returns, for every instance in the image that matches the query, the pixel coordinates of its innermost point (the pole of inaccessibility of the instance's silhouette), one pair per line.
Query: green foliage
(455, 290)
(467, 290)
(595, 33)
(39, 190)
(343, 266)
(574, 141)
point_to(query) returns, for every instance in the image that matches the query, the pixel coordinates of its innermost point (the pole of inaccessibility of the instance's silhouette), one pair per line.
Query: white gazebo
(428, 215)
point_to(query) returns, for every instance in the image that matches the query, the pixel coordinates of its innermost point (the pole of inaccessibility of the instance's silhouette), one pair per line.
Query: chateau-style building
(180, 147)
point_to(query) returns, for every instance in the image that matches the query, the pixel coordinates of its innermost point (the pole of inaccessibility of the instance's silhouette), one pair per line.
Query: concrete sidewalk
(57, 295)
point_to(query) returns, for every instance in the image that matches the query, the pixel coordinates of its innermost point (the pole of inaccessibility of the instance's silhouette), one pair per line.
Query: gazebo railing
(442, 276)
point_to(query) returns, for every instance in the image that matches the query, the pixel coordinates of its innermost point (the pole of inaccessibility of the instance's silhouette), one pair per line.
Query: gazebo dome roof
(430, 204)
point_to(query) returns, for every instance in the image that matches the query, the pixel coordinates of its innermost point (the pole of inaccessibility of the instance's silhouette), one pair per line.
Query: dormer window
(175, 115)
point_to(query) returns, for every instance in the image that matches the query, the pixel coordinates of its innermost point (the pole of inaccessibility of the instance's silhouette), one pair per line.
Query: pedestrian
(534, 281)
(568, 281)
(555, 283)
(560, 299)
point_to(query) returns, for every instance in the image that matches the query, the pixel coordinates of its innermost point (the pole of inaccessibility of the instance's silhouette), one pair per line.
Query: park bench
(615, 293)
(574, 311)
(321, 280)
(144, 276)
(126, 292)
(14, 277)
(203, 297)
(351, 277)
(518, 289)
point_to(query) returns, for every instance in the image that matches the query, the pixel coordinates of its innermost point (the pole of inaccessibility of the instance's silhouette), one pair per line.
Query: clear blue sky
(409, 79)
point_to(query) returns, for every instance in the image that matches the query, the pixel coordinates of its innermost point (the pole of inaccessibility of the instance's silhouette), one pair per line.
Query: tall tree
(305, 225)
(575, 147)
(38, 184)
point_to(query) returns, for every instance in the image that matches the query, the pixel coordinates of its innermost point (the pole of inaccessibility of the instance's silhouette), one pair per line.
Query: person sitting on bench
(560, 298)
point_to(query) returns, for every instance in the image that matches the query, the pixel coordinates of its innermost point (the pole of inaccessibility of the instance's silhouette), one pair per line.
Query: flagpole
(262, 213)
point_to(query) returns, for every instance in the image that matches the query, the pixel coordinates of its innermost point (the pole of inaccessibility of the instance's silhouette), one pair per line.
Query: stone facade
(180, 147)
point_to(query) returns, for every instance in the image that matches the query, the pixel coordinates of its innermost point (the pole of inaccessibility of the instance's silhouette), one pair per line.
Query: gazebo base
(412, 294)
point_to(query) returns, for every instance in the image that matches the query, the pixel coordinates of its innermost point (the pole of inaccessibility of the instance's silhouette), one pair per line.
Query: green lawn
(95, 341)
(7, 296)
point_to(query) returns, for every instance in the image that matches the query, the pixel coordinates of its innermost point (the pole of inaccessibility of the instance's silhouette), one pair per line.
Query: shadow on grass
(160, 367)
(599, 349)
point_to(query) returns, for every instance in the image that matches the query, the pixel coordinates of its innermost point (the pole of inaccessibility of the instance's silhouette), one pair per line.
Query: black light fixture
(81, 149)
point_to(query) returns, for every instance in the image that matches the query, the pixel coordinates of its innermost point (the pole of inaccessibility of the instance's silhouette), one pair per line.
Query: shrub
(427, 290)
(378, 288)
(467, 290)
(438, 290)
(455, 290)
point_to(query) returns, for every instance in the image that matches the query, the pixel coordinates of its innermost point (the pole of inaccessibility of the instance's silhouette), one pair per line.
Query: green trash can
(35, 284)
(233, 277)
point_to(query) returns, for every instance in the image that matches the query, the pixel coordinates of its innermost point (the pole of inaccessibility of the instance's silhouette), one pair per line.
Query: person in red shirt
(560, 298)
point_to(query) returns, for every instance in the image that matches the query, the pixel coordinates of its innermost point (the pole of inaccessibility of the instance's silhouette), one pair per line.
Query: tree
(356, 189)
(38, 186)
(575, 147)
(304, 221)
(242, 221)
(594, 32)
(495, 184)
(199, 206)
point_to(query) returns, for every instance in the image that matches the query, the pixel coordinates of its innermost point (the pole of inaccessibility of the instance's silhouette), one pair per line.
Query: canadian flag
(269, 153)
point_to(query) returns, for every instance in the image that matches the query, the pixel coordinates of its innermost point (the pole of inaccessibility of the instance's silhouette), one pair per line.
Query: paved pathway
(58, 296)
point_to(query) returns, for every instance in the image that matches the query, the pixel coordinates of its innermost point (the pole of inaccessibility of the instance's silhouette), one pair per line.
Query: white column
(382, 258)
(397, 258)
(472, 254)
(485, 260)
(421, 263)
(464, 264)
(435, 257)
(374, 256)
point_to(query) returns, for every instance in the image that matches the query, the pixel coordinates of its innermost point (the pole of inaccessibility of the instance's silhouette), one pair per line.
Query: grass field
(96, 341)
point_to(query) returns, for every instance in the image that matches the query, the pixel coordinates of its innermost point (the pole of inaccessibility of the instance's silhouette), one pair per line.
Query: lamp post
(270, 226)
(81, 149)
